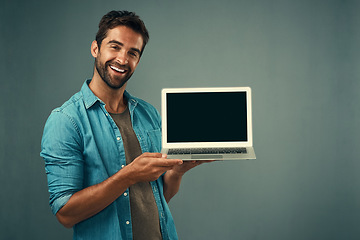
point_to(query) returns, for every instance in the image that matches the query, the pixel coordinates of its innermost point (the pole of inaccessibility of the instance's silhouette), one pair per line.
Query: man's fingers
(153, 155)
(164, 162)
(161, 160)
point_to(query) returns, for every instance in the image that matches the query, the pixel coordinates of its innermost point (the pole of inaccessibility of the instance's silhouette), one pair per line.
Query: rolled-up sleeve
(61, 148)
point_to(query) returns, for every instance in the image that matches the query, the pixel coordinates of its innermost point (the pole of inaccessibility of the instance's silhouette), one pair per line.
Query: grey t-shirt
(144, 212)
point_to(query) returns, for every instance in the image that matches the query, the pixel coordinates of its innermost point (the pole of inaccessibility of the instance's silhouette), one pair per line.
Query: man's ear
(94, 48)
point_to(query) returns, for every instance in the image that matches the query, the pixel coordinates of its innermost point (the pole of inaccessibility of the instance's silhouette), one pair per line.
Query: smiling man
(101, 148)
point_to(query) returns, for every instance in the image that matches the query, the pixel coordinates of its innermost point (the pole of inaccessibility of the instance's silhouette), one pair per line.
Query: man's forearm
(172, 181)
(172, 178)
(93, 199)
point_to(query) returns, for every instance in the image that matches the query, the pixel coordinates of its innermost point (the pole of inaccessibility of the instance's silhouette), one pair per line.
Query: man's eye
(134, 54)
(115, 47)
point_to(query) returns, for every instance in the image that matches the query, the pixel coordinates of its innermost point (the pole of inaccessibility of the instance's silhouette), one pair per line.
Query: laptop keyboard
(207, 151)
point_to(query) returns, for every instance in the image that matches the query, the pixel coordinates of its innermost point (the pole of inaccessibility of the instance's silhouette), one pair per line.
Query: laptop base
(249, 155)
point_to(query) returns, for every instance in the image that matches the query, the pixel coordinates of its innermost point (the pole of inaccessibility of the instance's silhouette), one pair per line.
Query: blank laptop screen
(206, 117)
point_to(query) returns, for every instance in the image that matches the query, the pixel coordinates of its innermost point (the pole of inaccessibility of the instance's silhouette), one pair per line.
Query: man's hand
(150, 166)
(186, 166)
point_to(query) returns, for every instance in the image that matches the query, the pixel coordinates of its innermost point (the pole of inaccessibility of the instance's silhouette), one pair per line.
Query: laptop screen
(206, 117)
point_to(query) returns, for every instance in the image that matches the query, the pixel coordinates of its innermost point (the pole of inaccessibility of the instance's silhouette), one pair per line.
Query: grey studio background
(300, 58)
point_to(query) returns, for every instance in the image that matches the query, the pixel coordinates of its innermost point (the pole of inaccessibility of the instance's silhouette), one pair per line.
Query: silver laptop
(207, 123)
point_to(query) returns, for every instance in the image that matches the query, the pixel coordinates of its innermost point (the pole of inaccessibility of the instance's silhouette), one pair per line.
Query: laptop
(207, 123)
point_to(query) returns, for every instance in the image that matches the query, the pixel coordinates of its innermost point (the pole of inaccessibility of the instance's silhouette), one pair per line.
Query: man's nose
(122, 58)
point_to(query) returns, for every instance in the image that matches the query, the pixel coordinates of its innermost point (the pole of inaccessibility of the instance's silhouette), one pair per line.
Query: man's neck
(113, 98)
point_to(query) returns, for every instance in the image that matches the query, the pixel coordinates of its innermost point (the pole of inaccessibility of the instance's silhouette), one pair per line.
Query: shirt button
(122, 166)
(127, 222)
(125, 194)
(118, 138)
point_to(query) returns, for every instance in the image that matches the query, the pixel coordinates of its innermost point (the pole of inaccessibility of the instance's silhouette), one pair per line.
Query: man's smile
(118, 69)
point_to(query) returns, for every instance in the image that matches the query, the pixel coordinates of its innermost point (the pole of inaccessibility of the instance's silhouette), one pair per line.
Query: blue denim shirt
(82, 146)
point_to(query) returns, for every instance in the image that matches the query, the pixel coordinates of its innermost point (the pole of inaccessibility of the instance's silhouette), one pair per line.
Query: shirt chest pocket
(154, 140)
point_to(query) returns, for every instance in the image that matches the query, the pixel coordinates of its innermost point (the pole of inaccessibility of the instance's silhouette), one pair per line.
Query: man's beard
(105, 75)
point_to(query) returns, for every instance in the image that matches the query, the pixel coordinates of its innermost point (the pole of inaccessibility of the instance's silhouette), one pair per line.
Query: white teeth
(117, 69)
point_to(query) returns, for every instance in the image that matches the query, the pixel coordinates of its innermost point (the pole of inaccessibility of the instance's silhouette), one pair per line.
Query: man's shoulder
(70, 112)
(79, 101)
(142, 104)
(72, 105)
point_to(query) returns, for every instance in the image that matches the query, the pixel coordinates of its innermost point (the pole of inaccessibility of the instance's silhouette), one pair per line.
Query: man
(101, 148)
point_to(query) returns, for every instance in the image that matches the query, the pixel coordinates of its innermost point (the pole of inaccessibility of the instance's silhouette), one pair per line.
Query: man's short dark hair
(121, 18)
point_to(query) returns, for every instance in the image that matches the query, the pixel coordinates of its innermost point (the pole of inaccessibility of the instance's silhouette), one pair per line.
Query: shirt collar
(90, 98)
(132, 101)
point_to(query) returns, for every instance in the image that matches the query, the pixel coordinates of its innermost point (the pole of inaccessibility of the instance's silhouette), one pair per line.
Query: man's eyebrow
(121, 44)
(116, 42)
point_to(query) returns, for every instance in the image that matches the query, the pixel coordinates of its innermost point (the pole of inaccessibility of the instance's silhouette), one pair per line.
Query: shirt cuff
(59, 203)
